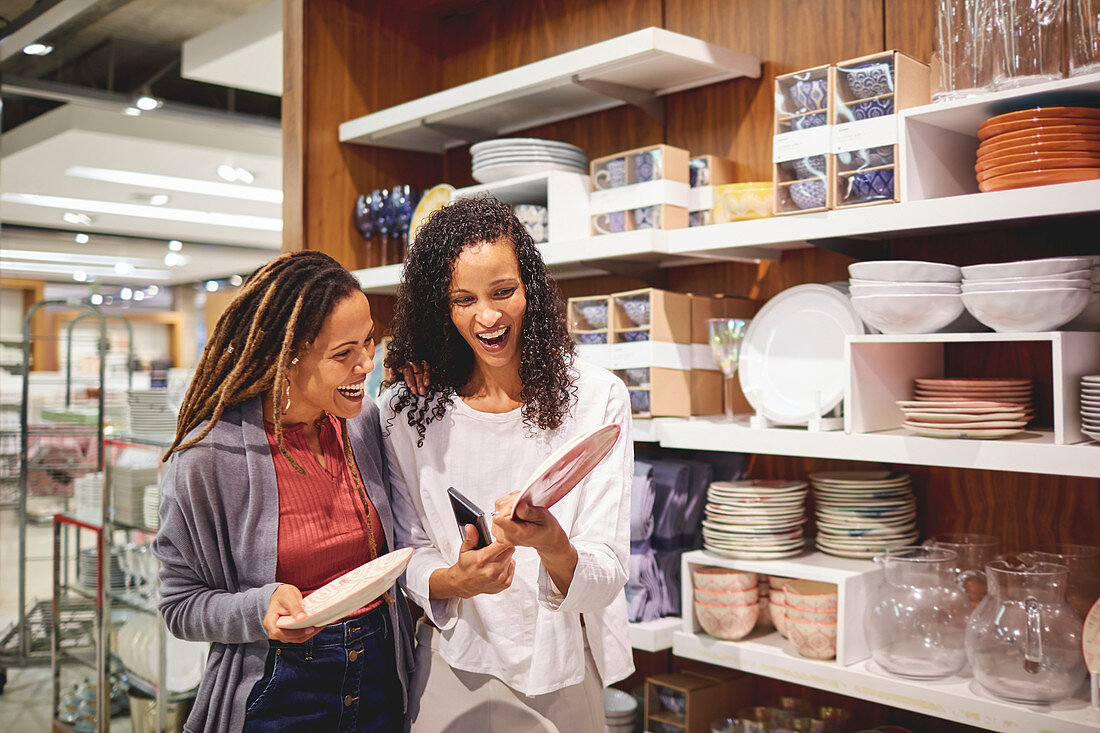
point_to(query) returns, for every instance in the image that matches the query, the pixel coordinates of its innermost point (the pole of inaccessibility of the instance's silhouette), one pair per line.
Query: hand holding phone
(467, 512)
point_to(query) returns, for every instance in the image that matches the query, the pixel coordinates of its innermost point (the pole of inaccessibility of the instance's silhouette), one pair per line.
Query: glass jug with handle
(974, 551)
(1023, 640)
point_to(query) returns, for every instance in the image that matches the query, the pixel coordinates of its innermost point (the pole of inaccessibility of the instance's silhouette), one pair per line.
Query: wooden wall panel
(909, 25)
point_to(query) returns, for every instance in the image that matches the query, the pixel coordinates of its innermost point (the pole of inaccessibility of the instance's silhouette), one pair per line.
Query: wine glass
(726, 335)
(382, 214)
(362, 216)
(401, 201)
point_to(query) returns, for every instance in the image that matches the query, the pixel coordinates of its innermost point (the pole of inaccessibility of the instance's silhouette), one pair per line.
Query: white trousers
(447, 700)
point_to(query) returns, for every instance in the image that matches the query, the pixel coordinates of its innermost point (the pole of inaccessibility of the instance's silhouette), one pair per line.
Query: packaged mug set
(643, 188)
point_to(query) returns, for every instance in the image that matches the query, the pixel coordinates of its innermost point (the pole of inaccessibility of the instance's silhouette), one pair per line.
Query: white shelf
(654, 636)
(760, 239)
(650, 61)
(1032, 451)
(955, 698)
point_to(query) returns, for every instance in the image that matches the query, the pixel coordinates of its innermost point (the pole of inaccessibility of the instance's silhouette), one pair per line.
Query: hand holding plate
(287, 601)
(516, 522)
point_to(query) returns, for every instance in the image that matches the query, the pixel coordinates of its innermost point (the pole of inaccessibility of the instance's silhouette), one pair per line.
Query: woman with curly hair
(525, 633)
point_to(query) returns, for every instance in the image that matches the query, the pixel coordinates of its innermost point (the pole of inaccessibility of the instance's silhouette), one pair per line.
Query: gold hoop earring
(286, 392)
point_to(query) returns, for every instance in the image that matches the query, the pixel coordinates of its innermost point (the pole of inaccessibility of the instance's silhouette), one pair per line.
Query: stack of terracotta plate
(969, 408)
(1039, 146)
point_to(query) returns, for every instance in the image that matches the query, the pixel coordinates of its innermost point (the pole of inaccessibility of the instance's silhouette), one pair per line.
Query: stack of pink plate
(1038, 146)
(968, 408)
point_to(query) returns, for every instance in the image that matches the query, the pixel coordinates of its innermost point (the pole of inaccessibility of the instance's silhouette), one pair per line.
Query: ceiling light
(159, 199)
(74, 218)
(126, 293)
(236, 281)
(227, 172)
(152, 290)
(174, 183)
(82, 238)
(37, 49)
(192, 216)
(244, 176)
(96, 299)
(211, 286)
(175, 245)
(65, 269)
(139, 295)
(124, 268)
(67, 258)
(80, 276)
(147, 102)
(132, 111)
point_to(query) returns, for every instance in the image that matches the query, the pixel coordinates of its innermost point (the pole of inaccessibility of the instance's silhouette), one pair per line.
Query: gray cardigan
(217, 544)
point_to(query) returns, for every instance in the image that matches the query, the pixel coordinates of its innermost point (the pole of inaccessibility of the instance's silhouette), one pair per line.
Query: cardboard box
(661, 392)
(868, 92)
(803, 140)
(702, 699)
(639, 165)
(664, 314)
(643, 216)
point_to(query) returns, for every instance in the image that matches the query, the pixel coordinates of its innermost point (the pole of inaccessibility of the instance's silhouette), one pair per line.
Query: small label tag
(801, 143)
(637, 195)
(876, 132)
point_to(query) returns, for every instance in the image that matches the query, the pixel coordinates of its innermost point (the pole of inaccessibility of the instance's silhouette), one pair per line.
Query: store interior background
(339, 60)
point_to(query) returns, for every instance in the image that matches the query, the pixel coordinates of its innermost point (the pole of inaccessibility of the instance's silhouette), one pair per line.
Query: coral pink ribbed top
(322, 523)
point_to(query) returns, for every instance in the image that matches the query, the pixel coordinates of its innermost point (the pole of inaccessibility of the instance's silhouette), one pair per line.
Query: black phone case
(467, 512)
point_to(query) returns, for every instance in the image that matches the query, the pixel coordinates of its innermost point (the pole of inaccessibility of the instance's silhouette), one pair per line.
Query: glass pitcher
(1024, 640)
(974, 551)
(916, 619)
(1083, 561)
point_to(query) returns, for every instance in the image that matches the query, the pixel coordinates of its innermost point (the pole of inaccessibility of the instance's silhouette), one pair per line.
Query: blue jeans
(343, 679)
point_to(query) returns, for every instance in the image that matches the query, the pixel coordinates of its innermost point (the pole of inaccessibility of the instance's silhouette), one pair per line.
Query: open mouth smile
(352, 391)
(496, 338)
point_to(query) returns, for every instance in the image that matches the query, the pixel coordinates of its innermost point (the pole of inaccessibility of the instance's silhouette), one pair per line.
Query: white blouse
(529, 635)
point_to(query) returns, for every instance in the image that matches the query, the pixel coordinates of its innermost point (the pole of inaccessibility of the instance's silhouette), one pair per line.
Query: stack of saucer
(151, 506)
(1038, 146)
(755, 520)
(509, 157)
(150, 416)
(1090, 407)
(861, 513)
(969, 408)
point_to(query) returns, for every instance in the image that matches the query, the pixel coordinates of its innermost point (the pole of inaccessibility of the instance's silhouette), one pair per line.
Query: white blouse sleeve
(408, 529)
(601, 532)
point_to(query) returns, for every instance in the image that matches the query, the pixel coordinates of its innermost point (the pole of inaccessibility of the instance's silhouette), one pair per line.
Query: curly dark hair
(423, 330)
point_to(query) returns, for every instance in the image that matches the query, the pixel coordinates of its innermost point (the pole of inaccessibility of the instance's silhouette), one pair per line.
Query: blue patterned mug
(808, 194)
(611, 223)
(869, 80)
(809, 94)
(647, 165)
(873, 185)
(869, 108)
(611, 174)
(647, 217)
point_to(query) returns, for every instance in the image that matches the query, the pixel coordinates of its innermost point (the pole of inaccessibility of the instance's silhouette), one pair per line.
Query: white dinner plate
(1094, 434)
(748, 555)
(966, 425)
(948, 417)
(859, 478)
(350, 592)
(521, 142)
(792, 360)
(975, 433)
(493, 173)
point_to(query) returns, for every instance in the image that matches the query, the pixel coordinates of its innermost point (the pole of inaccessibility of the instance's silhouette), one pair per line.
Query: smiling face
(488, 303)
(331, 371)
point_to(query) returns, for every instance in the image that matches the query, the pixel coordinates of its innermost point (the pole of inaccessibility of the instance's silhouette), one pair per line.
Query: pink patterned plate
(971, 383)
(567, 467)
(953, 404)
(1091, 643)
(350, 592)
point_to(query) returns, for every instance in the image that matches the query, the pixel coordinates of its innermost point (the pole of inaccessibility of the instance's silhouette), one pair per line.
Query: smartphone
(467, 512)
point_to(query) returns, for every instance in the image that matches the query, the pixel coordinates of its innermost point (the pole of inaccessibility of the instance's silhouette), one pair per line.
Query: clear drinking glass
(916, 619)
(1083, 20)
(962, 48)
(1032, 42)
(1023, 640)
(726, 335)
(974, 551)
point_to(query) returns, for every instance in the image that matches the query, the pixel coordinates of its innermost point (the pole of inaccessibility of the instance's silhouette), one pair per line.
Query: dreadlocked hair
(422, 330)
(280, 310)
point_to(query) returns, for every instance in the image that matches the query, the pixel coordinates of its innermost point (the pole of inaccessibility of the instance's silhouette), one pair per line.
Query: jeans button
(348, 700)
(353, 655)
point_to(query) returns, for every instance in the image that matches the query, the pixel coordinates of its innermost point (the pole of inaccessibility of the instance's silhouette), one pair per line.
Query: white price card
(876, 132)
(801, 143)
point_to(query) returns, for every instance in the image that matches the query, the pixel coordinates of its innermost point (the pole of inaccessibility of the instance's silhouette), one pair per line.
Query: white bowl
(1026, 268)
(1071, 275)
(1017, 311)
(908, 313)
(1089, 318)
(905, 271)
(978, 286)
(885, 288)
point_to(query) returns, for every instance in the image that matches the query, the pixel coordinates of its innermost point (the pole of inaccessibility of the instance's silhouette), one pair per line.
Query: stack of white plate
(1030, 295)
(150, 416)
(906, 296)
(128, 492)
(969, 408)
(139, 651)
(862, 513)
(88, 497)
(508, 157)
(755, 520)
(620, 711)
(151, 506)
(85, 569)
(1090, 407)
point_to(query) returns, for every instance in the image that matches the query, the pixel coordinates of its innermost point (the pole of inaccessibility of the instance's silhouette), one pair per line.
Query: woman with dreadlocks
(277, 487)
(525, 633)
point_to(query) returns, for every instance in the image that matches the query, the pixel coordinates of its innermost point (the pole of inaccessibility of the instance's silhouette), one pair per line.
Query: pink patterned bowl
(728, 598)
(817, 617)
(811, 595)
(816, 641)
(722, 580)
(727, 622)
(764, 618)
(778, 613)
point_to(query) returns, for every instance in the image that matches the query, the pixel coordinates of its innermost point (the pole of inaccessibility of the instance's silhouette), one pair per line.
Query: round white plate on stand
(792, 360)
